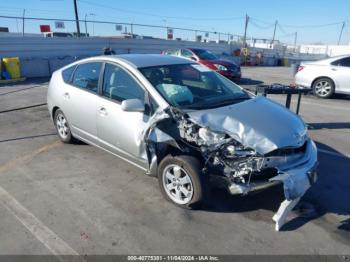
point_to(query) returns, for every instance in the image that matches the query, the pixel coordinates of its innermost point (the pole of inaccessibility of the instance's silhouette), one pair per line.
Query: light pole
(93, 25)
(86, 34)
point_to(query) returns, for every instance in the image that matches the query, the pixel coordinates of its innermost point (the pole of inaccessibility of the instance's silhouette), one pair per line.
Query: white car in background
(326, 77)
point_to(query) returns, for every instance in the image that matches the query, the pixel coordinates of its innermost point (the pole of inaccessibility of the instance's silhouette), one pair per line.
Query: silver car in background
(326, 77)
(185, 124)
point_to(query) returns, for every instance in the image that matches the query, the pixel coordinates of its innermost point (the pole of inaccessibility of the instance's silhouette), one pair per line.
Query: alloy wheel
(62, 126)
(177, 184)
(323, 88)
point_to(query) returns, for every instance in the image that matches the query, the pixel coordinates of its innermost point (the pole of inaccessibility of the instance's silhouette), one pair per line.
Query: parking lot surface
(76, 199)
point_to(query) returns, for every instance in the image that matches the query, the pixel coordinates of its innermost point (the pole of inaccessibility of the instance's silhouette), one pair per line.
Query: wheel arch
(172, 149)
(54, 109)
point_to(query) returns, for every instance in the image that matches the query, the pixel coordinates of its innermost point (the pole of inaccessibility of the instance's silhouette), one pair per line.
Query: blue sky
(314, 20)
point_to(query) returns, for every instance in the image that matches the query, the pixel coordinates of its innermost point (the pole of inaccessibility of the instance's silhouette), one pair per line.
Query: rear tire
(62, 127)
(323, 87)
(182, 182)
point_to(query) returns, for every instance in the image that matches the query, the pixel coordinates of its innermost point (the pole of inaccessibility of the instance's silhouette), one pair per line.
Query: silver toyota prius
(185, 124)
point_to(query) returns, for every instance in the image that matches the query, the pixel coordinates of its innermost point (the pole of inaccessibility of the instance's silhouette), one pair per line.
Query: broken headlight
(209, 137)
(237, 150)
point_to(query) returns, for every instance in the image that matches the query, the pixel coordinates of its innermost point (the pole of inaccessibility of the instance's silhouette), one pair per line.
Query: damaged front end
(242, 169)
(236, 156)
(230, 164)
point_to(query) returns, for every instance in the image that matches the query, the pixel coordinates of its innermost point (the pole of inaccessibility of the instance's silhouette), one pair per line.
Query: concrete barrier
(270, 61)
(35, 67)
(57, 63)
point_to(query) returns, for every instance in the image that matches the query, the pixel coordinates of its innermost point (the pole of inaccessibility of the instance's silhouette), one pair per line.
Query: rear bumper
(296, 178)
(301, 80)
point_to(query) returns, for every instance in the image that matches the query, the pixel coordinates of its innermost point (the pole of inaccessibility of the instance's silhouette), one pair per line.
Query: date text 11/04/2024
(173, 258)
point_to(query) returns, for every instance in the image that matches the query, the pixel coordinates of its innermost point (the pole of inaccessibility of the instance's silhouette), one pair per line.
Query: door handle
(102, 111)
(66, 95)
(334, 69)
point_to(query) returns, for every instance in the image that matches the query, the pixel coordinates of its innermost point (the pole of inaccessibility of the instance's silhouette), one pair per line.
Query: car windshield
(193, 86)
(204, 54)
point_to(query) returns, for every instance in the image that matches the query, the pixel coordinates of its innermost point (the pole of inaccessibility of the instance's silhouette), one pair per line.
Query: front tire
(323, 87)
(62, 127)
(181, 181)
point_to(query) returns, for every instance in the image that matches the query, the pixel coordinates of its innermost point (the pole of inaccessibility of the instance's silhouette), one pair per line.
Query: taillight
(300, 68)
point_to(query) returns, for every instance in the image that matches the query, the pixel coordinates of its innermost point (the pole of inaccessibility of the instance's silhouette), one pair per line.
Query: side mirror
(193, 58)
(133, 105)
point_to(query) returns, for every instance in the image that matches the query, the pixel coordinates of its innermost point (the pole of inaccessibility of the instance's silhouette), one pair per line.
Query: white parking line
(332, 153)
(45, 235)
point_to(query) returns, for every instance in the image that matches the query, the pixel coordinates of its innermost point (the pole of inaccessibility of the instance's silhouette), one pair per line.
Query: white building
(329, 50)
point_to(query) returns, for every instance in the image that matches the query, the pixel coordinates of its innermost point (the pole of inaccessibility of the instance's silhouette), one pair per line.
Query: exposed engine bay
(238, 168)
(221, 151)
(224, 156)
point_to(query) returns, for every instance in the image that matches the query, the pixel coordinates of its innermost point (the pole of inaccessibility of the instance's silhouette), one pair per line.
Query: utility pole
(245, 31)
(76, 17)
(341, 32)
(295, 41)
(24, 12)
(274, 33)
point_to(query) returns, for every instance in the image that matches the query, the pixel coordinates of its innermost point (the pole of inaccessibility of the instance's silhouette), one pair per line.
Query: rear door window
(86, 76)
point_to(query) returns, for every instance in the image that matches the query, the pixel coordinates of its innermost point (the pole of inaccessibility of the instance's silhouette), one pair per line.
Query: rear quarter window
(67, 74)
(342, 62)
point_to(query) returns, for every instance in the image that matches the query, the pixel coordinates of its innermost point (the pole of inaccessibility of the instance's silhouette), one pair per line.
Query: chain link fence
(89, 27)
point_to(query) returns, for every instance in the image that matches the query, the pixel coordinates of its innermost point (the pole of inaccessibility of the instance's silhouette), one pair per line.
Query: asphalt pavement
(76, 199)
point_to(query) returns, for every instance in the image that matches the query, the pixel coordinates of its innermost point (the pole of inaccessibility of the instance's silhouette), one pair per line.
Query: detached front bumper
(296, 177)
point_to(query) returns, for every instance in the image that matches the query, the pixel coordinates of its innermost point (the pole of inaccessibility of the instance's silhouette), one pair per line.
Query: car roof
(149, 60)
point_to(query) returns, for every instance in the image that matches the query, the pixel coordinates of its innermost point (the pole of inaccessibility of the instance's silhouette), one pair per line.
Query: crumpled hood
(258, 123)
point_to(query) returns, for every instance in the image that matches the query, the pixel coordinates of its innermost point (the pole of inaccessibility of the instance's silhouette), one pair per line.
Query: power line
(30, 9)
(156, 15)
(253, 20)
(301, 26)
(315, 26)
(282, 30)
(254, 23)
(115, 23)
(263, 21)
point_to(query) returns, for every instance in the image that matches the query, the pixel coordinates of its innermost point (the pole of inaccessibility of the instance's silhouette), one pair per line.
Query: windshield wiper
(229, 101)
(207, 105)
